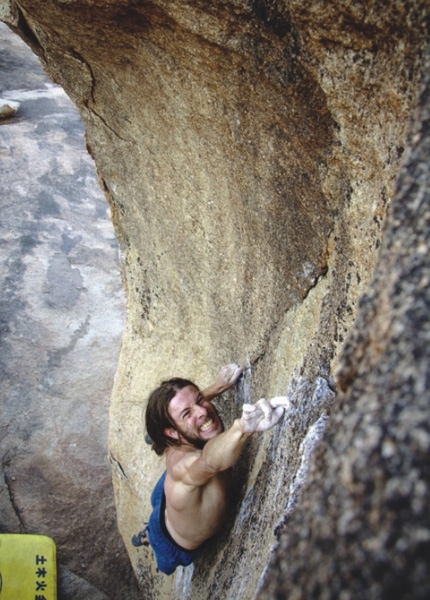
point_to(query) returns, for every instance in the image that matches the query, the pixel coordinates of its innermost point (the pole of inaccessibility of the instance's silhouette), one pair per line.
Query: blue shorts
(168, 553)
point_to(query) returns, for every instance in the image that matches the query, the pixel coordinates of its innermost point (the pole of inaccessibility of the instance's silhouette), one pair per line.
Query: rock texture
(363, 528)
(249, 152)
(8, 108)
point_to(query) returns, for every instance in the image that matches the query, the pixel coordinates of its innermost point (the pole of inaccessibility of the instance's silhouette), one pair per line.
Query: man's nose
(199, 410)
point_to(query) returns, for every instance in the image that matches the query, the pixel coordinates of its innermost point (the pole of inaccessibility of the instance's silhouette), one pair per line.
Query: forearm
(213, 390)
(222, 452)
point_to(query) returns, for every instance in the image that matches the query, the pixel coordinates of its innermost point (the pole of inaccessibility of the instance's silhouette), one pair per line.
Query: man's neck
(183, 448)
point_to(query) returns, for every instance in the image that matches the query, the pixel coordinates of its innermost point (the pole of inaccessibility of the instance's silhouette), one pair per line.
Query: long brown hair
(157, 417)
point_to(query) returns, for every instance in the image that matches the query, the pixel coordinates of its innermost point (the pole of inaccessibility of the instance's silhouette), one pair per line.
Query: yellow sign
(28, 567)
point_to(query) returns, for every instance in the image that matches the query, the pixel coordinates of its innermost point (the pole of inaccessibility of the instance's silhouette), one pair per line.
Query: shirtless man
(190, 501)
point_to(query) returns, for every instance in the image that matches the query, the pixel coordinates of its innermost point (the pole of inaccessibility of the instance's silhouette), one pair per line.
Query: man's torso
(195, 513)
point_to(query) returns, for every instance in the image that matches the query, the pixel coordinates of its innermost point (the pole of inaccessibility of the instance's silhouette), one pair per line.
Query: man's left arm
(221, 452)
(226, 379)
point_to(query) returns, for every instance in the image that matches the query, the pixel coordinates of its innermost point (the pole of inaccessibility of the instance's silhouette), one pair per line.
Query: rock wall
(248, 151)
(363, 528)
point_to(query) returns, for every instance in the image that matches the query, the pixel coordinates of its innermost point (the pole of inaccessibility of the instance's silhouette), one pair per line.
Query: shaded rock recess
(249, 152)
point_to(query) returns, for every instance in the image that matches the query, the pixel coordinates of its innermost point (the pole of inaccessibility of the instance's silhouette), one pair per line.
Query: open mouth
(207, 425)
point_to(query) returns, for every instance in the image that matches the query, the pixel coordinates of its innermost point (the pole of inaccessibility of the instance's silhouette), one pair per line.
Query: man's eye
(186, 413)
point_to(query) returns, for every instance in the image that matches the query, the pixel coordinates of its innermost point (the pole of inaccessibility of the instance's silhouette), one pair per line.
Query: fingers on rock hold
(231, 371)
(265, 407)
(280, 401)
(278, 412)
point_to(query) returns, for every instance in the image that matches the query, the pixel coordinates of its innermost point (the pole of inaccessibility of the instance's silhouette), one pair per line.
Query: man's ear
(171, 432)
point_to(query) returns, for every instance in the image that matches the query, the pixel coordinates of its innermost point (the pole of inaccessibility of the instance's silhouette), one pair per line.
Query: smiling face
(196, 419)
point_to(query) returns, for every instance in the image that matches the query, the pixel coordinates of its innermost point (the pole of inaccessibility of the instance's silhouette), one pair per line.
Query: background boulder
(62, 316)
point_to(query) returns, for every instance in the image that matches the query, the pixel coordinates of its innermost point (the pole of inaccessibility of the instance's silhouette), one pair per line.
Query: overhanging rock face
(248, 151)
(363, 528)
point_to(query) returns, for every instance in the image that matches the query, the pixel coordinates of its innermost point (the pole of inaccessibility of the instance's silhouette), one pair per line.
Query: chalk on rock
(8, 108)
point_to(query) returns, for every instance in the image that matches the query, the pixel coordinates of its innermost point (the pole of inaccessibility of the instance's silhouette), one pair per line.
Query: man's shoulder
(178, 462)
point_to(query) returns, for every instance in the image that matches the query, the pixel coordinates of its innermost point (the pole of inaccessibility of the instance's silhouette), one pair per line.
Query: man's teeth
(206, 425)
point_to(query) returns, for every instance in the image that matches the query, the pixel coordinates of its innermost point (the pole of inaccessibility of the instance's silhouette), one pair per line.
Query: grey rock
(362, 529)
(8, 108)
(71, 587)
(61, 320)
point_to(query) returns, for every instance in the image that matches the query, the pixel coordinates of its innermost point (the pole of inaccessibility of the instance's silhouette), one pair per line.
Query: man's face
(196, 419)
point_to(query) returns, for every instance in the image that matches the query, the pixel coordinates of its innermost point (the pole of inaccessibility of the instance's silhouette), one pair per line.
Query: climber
(190, 501)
